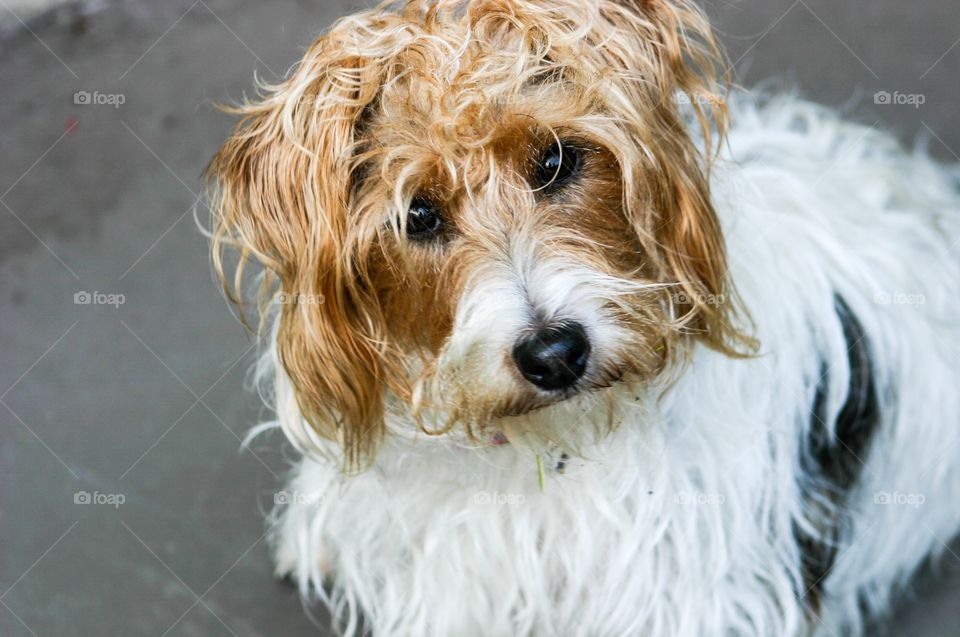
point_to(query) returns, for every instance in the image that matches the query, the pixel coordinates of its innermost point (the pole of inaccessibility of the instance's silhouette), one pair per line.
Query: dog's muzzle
(554, 357)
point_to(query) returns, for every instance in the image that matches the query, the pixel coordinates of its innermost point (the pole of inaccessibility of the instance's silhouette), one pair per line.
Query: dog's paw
(285, 567)
(287, 579)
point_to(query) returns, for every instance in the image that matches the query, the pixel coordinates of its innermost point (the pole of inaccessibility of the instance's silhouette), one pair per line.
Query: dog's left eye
(557, 166)
(423, 220)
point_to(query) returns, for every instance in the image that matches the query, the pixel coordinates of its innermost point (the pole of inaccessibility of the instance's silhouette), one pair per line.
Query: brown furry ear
(280, 189)
(671, 71)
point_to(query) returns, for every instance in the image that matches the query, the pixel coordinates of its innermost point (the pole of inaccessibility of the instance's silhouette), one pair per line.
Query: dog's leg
(298, 554)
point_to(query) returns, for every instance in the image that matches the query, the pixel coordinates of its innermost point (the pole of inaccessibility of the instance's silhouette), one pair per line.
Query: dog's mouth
(534, 400)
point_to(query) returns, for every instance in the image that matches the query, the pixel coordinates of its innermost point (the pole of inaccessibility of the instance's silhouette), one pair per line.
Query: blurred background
(126, 506)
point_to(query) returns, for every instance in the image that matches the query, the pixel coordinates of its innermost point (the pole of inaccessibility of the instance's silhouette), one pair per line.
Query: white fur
(682, 521)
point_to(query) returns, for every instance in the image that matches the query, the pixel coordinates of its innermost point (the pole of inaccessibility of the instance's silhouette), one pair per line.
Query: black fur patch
(839, 456)
(835, 455)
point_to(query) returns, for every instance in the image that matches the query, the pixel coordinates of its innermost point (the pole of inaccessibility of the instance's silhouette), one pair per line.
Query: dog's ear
(669, 81)
(280, 192)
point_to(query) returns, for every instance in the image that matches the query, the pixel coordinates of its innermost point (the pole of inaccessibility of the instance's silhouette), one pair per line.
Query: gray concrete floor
(144, 400)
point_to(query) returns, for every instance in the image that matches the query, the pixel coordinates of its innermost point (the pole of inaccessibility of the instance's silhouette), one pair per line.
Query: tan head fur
(450, 104)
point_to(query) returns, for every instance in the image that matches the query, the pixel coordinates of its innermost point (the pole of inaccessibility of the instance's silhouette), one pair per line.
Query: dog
(574, 340)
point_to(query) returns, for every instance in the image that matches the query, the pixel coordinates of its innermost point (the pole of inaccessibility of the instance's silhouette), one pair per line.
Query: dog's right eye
(423, 220)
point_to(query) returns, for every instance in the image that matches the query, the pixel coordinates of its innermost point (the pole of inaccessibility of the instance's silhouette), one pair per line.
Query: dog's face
(477, 210)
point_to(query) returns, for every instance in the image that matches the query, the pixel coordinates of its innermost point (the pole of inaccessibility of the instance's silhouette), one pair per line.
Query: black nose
(555, 357)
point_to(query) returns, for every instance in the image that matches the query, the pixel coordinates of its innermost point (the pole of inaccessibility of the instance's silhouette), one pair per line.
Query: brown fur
(453, 100)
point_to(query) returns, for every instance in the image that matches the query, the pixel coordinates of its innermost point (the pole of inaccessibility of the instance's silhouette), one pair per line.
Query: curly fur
(680, 496)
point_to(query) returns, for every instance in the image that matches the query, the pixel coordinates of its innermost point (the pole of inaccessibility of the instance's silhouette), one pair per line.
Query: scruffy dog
(565, 354)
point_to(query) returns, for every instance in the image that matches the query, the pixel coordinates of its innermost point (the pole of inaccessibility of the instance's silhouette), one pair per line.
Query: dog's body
(685, 520)
(787, 492)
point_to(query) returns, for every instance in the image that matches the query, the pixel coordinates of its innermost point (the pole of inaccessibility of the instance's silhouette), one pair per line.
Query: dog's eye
(423, 220)
(557, 166)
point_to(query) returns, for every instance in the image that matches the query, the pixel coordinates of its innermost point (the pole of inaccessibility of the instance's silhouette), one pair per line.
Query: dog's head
(476, 210)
